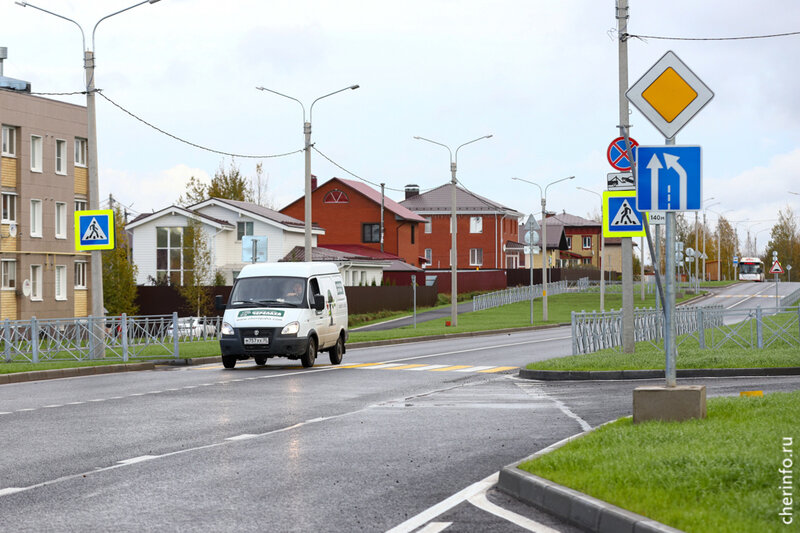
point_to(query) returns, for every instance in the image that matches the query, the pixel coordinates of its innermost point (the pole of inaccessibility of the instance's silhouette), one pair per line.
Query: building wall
(51, 120)
(577, 234)
(495, 232)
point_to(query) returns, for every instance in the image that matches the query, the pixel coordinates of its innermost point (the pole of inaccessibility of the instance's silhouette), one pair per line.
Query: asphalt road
(410, 439)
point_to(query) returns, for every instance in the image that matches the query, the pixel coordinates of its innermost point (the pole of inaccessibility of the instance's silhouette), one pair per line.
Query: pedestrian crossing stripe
(477, 369)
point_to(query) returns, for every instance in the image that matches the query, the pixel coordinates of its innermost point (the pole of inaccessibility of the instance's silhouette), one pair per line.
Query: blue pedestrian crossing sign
(94, 230)
(669, 178)
(620, 216)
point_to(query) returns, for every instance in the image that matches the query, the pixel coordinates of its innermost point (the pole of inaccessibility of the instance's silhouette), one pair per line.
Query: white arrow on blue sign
(669, 178)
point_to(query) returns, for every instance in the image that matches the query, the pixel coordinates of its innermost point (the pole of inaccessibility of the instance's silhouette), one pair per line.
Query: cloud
(146, 191)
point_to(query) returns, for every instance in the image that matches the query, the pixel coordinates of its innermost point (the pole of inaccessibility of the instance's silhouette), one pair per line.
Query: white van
(286, 309)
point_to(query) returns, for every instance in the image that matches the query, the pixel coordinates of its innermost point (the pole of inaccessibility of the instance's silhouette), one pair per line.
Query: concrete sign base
(669, 404)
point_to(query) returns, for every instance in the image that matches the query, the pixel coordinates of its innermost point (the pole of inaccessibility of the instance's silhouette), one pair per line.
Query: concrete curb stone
(600, 375)
(38, 375)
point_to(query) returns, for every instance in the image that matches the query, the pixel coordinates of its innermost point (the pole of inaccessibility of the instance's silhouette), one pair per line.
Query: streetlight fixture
(96, 263)
(307, 134)
(453, 225)
(543, 194)
(602, 252)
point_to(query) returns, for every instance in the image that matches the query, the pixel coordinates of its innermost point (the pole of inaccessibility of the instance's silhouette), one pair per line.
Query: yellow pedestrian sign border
(94, 230)
(620, 216)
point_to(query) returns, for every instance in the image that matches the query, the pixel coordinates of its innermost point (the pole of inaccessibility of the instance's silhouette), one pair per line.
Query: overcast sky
(541, 77)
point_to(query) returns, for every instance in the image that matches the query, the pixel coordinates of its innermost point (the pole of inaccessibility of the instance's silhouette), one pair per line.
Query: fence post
(7, 339)
(759, 328)
(35, 339)
(701, 325)
(175, 334)
(574, 338)
(414, 290)
(124, 333)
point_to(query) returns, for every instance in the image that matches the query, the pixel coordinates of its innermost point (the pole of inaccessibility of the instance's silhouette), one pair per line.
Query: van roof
(293, 269)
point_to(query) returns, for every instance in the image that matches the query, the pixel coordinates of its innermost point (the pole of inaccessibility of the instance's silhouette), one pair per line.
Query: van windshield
(269, 292)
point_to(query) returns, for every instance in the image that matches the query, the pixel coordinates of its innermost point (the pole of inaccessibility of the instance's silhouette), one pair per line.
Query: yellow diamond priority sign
(669, 94)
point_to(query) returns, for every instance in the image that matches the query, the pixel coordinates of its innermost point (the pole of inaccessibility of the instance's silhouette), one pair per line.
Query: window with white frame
(81, 152)
(61, 282)
(242, 229)
(428, 225)
(9, 141)
(170, 260)
(587, 242)
(80, 204)
(476, 224)
(9, 207)
(36, 282)
(8, 273)
(429, 256)
(61, 220)
(569, 243)
(61, 156)
(36, 218)
(80, 274)
(476, 256)
(36, 153)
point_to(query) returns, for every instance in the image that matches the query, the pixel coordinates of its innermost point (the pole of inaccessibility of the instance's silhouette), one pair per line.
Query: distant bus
(751, 269)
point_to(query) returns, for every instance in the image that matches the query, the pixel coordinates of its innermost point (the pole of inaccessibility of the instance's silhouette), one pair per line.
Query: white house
(157, 238)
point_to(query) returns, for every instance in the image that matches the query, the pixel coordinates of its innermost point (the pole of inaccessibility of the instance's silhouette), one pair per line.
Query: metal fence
(709, 327)
(115, 337)
(525, 293)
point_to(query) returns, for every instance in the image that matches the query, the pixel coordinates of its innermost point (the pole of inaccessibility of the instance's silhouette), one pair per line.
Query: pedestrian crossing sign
(620, 216)
(94, 230)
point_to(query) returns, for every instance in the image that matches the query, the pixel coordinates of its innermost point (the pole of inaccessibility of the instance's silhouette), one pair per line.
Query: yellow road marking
(403, 367)
(498, 369)
(361, 365)
(445, 369)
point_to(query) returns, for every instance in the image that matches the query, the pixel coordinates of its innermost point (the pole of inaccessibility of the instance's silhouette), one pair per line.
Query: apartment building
(44, 179)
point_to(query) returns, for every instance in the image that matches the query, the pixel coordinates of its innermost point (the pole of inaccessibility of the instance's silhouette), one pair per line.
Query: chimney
(411, 191)
(313, 182)
(3, 55)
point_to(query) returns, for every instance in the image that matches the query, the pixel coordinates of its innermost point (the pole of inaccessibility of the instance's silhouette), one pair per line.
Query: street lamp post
(453, 225)
(697, 246)
(544, 238)
(96, 262)
(307, 135)
(602, 252)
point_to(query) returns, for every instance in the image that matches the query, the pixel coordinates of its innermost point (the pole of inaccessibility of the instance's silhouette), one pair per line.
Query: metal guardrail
(117, 337)
(526, 293)
(711, 327)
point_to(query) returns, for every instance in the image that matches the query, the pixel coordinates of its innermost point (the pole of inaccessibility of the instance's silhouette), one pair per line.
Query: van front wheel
(229, 361)
(337, 351)
(310, 356)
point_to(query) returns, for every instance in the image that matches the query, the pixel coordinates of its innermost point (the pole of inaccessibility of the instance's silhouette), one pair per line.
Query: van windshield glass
(269, 292)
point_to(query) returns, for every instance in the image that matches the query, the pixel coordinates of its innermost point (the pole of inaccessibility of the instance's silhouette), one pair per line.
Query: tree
(227, 183)
(728, 243)
(198, 269)
(260, 187)
(782, 240)
(119, 274)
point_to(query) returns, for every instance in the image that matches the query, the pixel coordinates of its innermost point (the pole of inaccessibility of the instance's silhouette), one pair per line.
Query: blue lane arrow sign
(669, 178)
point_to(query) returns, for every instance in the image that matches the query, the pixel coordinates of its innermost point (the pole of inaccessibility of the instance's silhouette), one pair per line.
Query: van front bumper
(277, 344)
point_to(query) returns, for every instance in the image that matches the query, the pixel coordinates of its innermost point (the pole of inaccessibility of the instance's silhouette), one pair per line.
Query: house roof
(257, 210)
(175, 209)
(439, 200)
(322, 254)
(402, 212)
(363, 251)
(565, 219)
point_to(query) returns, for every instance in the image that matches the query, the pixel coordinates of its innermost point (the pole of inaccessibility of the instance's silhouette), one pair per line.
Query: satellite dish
(12, 229)
(26, 287)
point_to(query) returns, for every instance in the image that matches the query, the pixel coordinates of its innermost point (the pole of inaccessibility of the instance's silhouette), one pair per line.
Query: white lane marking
(445, 505)
(243, 436)
(755, 294)
(475, 369)
(23, 410)
(481, 502)
(10, 490)
(139, 459)
(50, 406)
(427, 367)
(5, 412)
(75, 403)
(558, 403)
(379, 367)
(98, 400)
(435, 527)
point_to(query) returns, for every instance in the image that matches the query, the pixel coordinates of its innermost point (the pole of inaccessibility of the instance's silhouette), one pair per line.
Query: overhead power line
(626, 36)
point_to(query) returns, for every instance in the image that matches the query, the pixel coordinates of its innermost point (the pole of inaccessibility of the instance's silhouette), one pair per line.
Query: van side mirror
(319, 302)
(218, 304)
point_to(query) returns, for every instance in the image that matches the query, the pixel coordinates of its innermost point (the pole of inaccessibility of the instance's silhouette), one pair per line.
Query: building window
(36, 153)
(587, 260)
(81, 152)
(587, 242)
(428, 225)
(9, 208)
(428, 256)
(169, 255)
(476, 224)
(242, 229)
(61, 220)
(370, 233)
(61, 156)
(476, 256)
(61, 282)
(80, 205)
(36, 282)
(569, 243)
(9, 274)
(413, 233)
(9, 141)
(80, 274)
(36, 218)
(336, 197)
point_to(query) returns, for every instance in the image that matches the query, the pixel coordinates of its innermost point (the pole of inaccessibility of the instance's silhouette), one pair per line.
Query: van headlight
(291, 328)
(226, 329)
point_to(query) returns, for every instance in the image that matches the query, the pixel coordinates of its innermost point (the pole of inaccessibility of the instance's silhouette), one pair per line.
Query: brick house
(486, 230)
(350, 212)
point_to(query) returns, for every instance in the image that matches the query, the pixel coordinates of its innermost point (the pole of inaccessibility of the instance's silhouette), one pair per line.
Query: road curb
(39, 375)
(571, 505)
(605, 375)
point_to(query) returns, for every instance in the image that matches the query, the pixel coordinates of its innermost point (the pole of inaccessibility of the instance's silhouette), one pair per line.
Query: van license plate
(256, 340)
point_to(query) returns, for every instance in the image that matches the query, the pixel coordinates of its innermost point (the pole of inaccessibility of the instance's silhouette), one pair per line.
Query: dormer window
(336, 197)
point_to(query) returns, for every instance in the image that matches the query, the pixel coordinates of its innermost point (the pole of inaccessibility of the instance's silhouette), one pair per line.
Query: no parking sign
(618, 155)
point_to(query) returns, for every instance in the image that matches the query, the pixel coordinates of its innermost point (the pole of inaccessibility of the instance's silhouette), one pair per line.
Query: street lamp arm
(455, 159)
(589, 190)
(117, 13)
(83, 36)
(557, 181)
(541, 193)
(311, 109)
(440, 144)
(286, 96)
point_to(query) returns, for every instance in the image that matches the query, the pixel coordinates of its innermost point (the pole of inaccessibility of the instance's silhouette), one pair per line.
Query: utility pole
(628, 343)
(383, 185)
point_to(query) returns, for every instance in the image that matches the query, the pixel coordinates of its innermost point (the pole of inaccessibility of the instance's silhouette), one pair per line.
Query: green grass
(715, 475)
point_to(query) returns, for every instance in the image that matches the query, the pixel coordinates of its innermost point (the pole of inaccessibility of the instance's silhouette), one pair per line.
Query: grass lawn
(716, 475)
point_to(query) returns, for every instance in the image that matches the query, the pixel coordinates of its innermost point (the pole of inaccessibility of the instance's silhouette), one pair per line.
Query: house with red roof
(350, 212)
